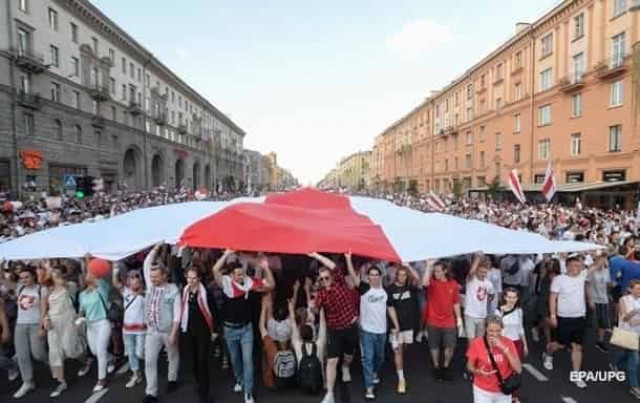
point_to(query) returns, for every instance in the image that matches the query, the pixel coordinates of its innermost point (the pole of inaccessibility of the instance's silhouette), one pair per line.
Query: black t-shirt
(406, 304)
(197, 323)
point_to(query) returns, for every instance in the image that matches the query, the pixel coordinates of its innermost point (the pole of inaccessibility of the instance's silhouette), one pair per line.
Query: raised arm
(115, 275)
(262, 324)
(322, 331)
(217, 267)
(352, 272)
(295, 333)
(426, 278)
(148, 263)
(414, 278)
(323, 260)
(269, 282)
(477, 258)
(600, 262)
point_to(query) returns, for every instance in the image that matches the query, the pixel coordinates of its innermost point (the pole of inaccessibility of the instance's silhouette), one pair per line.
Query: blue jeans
(134, 347)
(631, 358)
(240, 345)
(373, 345)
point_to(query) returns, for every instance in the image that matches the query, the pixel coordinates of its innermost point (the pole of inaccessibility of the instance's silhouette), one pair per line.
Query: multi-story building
(560, 89)
(352, 172)
(257, 170)
(79, 96)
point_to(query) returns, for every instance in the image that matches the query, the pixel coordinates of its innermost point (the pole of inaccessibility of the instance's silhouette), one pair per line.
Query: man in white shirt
(479, 291)
(568, 311)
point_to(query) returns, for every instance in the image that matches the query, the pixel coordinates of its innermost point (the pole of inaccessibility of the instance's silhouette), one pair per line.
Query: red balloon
(99, 267)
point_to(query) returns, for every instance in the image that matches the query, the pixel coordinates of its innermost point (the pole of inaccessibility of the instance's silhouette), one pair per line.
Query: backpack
(284, 366)
(310, 372)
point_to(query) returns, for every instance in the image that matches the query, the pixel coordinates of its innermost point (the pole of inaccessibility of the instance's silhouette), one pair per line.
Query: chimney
(520, 26)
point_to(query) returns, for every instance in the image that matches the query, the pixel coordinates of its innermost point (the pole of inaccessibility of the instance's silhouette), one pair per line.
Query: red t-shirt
(339, 306)
(477, 354)
(441, 296)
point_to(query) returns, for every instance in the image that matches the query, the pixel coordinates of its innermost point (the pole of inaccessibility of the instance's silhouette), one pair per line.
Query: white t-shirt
(598, 286)
(373, 309)
(512, 323)
(495, 276)
(133, 315)
(570, 290)
(476, 297)
(630, 304)
(29, 312)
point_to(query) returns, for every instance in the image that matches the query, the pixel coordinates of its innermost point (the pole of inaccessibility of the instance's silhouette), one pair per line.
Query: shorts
(616, 294)
(473, 327)
(571, 330)
(483, 396)
(342, 341)
(404, 337)
(441, 337)
(603, 316)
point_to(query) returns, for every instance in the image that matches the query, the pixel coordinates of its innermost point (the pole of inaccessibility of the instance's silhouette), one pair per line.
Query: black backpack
(310, 372)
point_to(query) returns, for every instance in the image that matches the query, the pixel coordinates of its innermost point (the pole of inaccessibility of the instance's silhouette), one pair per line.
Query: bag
(310, 372)
(284, 366)
(509, 385)
(625, 338)
(115, 313)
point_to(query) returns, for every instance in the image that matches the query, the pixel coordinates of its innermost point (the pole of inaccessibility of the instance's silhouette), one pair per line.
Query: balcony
(98, 121)
(31, 101)
(134, 108)
(611, 67)
(182, 129)
(30, 61)
(160, 119)
(481, 89)
(99, 93)
(571, 84)
(498, 81)
(517, 70)
(453, 129)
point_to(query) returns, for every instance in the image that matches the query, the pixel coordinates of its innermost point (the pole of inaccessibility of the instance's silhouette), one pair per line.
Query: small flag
(549, 184)
(516, 188)
(434, 202)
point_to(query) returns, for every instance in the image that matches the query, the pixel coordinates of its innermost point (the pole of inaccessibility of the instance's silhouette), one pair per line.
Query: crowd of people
(301, 321)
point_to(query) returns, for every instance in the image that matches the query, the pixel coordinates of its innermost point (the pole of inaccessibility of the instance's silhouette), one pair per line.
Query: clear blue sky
(316, 81)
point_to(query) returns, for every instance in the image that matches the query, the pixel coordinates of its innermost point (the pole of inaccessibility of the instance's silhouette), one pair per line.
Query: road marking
(96, 396)
(567, 399)
(536, 374)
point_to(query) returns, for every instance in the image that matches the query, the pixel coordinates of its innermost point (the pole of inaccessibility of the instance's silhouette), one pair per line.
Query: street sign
(70, 181)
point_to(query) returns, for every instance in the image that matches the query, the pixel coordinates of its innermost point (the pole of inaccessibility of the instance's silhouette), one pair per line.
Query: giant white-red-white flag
(516, 188)
(549, 184)
(434, 202)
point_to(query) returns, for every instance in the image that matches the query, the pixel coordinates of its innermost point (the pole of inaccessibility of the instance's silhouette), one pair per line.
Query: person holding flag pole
(549, 184)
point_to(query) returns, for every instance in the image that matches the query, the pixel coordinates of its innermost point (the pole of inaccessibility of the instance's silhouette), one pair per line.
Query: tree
(457, 188)
(494, 186)
(413, 187)
(397, 185)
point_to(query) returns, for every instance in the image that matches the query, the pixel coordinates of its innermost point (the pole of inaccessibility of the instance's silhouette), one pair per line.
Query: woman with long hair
(513, 324)
(629, 320)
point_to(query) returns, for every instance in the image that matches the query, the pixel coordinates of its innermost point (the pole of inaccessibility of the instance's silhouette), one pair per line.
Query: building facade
(257, 170)
(80, 97)
(563, 88)
(352, 172)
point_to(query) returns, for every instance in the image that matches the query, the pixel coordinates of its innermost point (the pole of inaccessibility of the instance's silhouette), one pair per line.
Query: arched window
(58, 128)
(78, 134)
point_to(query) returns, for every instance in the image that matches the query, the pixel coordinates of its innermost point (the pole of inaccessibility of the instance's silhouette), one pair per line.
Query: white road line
(536, 374)
(96, 396)
(567, 399)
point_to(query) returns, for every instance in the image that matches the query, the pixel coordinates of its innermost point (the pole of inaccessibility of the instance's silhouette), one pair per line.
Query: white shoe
(376, 379)
(110, 368)
(24, 389)
(580, 383)
(135, 379)
(84, 370)
(237, 388)
(248, 398)
(346, 374)
(98, 387)
(13, 374)
(62, 386)
(328, 398)
(419, 337)
(535, 334)
(547, 361)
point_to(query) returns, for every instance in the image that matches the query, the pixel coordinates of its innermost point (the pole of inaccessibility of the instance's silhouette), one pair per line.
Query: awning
(564, 187)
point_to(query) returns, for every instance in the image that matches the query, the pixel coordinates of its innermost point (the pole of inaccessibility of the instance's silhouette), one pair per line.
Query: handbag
(513, 381)
(625, 338)
(115, 313)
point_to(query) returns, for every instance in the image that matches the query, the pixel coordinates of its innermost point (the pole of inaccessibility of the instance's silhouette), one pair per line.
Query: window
(618, 50)
(124, 92)
(455, 163)
(498, 168)
(28, 123)
(55, 56)
(124, 65)
(467, 161)
(469, 114)
(58, 129)
(76, 99)
(619, 7)
(24, 41)
(112, 56)
(446, 165)
(53, 19)
(77, 131)
(516, 123)
(575, 177)
(517, 60)
(74, 33)
(469, 91)
(113, 113)
(576, 105)
(23, 6)
(499, 72)
(482, 166)
(139, 74)
(55, 92)
(517, 92)
(578, 26)
(544, 149)
(98, 135)
(75, 66)
(95, 107)
(469, 138)
(616, 93)
(576, 144)
(94, 41)
(498, 103)
(546, 79)
(578, 67)
(546, 45)
(132, 71)
(498, 141)
(615, 138)
(483, 81)
(112, 85)
(544, 115)
(455, 99)
(114, 141)
(446, 105)
(516, 154)
(483, 132)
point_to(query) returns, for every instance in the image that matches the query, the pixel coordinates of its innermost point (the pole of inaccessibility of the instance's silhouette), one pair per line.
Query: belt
(235, 325)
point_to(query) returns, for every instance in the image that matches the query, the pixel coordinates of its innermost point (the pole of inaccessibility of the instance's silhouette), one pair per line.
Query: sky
(317, 81)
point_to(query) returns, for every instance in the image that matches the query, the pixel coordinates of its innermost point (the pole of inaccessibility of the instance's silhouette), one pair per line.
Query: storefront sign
(31, 159)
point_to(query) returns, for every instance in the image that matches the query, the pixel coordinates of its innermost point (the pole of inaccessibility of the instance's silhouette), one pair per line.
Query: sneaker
(172, 386)
(84, 369)
(369, 395)
(402, 387)
(62, 386)
(237, 388)
(111, 367)
(547, 361)
(602, 347)
(328, 398)
(376, 379)
(248, 398)
(346, 374)
(419, 337)
(149, 399)
(99, 387)
(135, 379)
(580, 383)
(13, 374)
(535, 334)
(24, 389)
(635, 393)
(447, 374)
